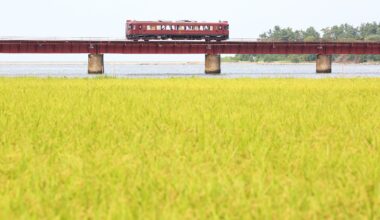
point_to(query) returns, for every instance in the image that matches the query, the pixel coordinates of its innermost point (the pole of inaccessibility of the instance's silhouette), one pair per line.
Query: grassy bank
(189, 148)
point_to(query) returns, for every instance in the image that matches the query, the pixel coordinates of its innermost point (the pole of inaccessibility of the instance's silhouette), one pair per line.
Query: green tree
(344, 32)
(311, 34)
(341, 32)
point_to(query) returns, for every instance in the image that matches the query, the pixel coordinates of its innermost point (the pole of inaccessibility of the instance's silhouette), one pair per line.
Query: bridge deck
(184, 47)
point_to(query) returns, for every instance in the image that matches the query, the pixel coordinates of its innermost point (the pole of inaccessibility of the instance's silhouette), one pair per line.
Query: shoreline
(301, 63)
(149, 63)
(110, 63)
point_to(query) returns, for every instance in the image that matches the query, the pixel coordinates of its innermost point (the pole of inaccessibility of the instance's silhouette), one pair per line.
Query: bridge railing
(108, 39)
(23, 38)
(306, 41)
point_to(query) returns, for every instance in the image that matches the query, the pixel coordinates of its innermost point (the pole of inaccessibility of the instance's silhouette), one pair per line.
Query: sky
(100, 18)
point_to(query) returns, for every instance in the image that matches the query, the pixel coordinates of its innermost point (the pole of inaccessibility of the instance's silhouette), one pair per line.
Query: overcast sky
(100, 18)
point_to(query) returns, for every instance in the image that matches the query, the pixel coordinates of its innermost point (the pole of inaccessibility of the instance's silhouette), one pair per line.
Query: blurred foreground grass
(189, 148)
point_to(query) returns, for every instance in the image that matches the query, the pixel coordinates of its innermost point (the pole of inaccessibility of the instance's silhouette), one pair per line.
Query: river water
(165, 70)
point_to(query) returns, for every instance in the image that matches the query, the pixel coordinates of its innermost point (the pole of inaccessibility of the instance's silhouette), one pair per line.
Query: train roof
(176, 22)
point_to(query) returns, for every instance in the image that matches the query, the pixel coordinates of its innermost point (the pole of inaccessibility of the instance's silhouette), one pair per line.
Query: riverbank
(296, 63)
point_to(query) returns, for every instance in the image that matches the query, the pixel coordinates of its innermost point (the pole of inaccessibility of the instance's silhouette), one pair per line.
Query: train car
(179, 30)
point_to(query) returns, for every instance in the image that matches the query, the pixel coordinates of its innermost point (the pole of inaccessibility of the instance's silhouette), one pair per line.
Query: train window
(134, 27)
(211, 28)
(206, 28)
(163, 27)
(181, 28)
(168, 27)
(220, 28)
(148, 27)
(226, 27)
(201, 28)
(140, 27)
(158, 27)
(173, 27)
(153, 27)
(196, 28)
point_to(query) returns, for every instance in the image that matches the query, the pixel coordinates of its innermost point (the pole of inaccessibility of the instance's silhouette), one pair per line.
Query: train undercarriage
(176, 37)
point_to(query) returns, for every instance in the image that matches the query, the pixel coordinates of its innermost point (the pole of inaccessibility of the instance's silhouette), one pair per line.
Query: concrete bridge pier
(324, 63)
(212, 64)
(95, 64)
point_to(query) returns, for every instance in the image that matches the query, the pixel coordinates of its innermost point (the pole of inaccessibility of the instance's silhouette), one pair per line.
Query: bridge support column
(212, 64)
(324, 63)
(95, 63)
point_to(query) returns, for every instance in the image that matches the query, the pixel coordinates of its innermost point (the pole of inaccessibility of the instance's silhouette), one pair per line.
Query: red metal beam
(187, 47)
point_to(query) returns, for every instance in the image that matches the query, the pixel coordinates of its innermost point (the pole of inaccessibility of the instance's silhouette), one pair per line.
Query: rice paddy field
(189, 148)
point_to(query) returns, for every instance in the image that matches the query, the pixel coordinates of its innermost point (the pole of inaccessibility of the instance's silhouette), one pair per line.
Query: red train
(180, 30)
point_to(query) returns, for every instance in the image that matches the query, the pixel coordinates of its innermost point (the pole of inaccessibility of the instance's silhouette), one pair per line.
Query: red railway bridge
(212, 50)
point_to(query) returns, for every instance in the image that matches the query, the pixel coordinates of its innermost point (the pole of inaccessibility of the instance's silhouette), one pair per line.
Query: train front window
(226, 27)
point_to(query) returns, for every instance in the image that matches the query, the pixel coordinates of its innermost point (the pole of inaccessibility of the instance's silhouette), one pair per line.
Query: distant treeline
(344, 32)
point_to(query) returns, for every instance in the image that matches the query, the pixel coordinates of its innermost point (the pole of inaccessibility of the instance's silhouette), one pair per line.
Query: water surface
(164, 70)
